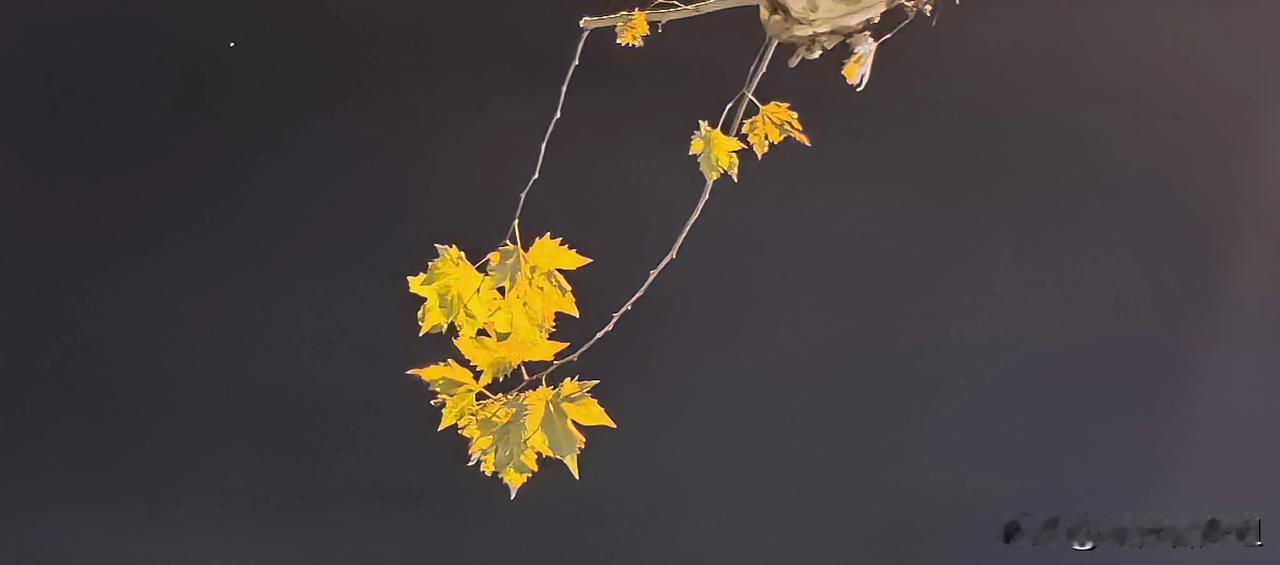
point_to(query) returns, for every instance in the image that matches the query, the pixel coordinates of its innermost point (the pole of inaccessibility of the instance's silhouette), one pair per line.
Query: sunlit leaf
(775, 121)
(455, 292)
(499, 441)
(455, 390)
(631, 33)
(560, 408)
(857, 68)
(715, 151)
(496, 358)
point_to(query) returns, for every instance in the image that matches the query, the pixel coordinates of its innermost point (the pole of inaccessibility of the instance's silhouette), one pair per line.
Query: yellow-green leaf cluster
(509, 432)
(504, 318)
(631, 33)
(775, 122)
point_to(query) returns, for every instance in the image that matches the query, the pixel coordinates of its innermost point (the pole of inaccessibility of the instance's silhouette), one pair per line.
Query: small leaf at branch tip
(631, 32)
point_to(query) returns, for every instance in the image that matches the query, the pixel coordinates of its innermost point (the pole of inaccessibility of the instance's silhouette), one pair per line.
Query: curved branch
(757, 70)
(542, 150)
(668, 14)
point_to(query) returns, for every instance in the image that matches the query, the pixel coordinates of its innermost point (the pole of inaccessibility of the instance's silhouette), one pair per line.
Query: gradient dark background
(1034, 267)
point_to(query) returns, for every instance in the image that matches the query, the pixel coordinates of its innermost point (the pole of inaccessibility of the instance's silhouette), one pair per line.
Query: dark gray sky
(1034, 267)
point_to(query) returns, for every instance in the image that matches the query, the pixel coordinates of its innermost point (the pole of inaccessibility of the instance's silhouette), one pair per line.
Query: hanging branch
(743, 97)
(502, 318)
(542, 150)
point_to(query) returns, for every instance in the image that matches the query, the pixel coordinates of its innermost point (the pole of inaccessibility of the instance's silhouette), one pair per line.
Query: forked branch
(743, 97)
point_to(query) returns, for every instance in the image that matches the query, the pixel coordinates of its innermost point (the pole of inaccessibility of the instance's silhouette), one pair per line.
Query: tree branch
(668, 14)
(757, 70)
(542, 150)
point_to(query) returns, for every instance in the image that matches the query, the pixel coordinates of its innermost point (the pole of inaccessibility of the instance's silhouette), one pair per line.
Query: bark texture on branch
(668, 14)
(812, 26)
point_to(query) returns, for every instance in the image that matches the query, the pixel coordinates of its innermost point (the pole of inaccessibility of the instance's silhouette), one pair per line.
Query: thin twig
(757, 70)
(749, 90)
(542, 151)
(750, 73)
(668, 14)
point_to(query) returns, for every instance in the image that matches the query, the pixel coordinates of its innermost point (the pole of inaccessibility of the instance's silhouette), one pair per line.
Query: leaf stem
(749, 90)
(753, 79)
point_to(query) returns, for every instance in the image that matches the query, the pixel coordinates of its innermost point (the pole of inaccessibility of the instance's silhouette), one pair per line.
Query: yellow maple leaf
(522, 314)
(533, 286)
(775, 122)
(455, 389)
(455, 292)
(556, 410)
(631, 32)
(510, 263)
(581, 406)
(857, 68)
(530, 307)
(455, 409)
(547, 257)
(507, 265)
(448, 377)
(556, 297)
(500, 441)
(549, 253)
(715, 152)
(496, 358)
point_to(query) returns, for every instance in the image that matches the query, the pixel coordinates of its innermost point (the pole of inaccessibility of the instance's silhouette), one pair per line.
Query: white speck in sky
(232, 44)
